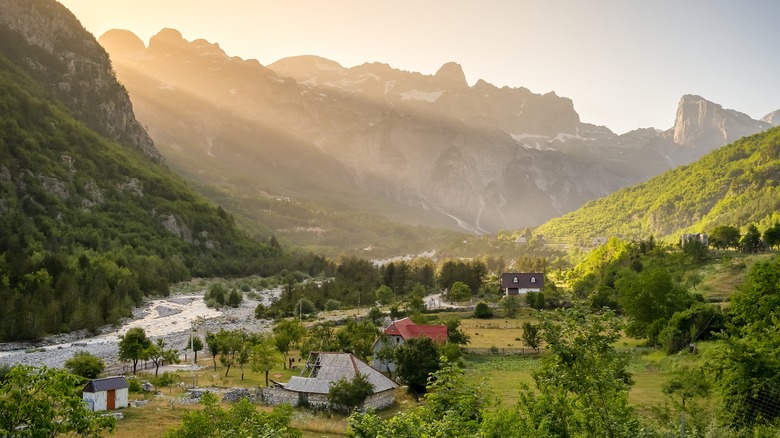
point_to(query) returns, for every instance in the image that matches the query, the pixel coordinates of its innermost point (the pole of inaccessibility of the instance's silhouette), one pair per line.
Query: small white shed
(106, 394)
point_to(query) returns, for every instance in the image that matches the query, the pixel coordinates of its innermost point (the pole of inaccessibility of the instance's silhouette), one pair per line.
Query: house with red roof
(400, 331)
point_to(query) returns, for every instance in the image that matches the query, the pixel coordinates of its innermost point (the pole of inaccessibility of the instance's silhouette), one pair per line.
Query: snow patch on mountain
(427, 96)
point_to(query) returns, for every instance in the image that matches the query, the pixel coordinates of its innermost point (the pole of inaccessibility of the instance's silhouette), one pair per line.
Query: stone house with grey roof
(322, 369)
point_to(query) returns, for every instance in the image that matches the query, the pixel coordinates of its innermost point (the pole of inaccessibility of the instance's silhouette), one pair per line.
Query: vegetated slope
(44, 39)
(734, 185)
(90, 226)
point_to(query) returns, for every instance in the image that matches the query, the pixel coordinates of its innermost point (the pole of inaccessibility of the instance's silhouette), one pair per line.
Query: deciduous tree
(263, 356)
(415, 360)
(350, 394)
(132, 346)
(532, 338)
(46, 402)
(85, 364)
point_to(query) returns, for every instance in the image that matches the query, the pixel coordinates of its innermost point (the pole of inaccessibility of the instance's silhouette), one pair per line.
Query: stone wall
(277, 396)
(380, 400)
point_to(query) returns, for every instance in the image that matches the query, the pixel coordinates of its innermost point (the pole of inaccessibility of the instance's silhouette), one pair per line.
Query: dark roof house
(515, 283)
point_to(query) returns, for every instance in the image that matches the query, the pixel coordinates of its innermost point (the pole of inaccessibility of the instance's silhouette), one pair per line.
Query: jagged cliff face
(700, 126)
(480, 156)
(46, 39)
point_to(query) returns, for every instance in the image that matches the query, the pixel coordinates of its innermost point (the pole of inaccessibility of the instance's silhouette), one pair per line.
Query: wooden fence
(496, 324)
(502, 351)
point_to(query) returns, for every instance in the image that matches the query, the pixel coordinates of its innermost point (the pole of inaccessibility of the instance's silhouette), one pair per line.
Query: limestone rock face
(700, 126)
(772, 118)
(45, 38)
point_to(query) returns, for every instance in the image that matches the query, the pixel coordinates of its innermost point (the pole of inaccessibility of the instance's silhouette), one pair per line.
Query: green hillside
(735, 185)
(90, 226)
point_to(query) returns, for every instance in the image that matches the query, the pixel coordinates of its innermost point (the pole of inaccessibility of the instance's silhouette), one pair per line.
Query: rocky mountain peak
(699, 120)
(167, 40)
(772, 118)
(120, 42)
(452, 75)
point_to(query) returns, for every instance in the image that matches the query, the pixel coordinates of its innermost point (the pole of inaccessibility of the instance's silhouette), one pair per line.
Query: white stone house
(323, 369)
(106, 394)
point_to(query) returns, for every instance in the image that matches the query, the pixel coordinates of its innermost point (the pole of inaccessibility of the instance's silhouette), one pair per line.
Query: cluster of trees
(650, 286)
(358, 282)
(134, 346)
(748, 365)
(727, 236)
(218, 295)
(646, 282)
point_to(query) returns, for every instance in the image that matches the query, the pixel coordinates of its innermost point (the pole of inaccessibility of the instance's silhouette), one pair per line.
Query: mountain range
(389, 144)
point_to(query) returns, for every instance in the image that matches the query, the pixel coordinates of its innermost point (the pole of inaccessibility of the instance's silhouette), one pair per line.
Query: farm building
(321, 370)
(522, 282)
(106, 394)
(402, 330)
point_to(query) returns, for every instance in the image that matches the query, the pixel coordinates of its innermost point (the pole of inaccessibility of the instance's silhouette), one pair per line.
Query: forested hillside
(90, 226)
(735, 185)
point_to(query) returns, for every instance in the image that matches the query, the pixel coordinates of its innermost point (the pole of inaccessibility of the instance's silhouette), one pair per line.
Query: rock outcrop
(48, 41)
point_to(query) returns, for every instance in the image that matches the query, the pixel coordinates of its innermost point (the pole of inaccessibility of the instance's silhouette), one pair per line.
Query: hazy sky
(624, 63)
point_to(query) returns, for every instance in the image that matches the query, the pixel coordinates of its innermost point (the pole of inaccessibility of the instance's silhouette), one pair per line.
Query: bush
(305, 307)
(235, 298)
(134, 384)
(483, 311)
(349, 394)
(332, 304)
(166, 379)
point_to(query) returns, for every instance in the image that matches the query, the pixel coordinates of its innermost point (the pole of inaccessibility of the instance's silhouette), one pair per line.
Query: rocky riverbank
(168, 318)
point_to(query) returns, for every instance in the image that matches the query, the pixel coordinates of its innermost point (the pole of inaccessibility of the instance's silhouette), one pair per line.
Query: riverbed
(170, 318)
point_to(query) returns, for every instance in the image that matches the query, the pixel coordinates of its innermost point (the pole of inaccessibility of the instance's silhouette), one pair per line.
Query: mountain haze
(91, 220)
(406, 147)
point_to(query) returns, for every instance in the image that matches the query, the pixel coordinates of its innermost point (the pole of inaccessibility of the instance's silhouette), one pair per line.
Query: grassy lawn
(497, 332)
(151, 420)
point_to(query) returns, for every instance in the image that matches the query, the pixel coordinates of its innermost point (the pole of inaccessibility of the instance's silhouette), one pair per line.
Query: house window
(514, 280)
(533, 279)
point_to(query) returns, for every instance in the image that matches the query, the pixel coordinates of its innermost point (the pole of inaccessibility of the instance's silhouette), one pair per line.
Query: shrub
(483, 311)
(332, 304)
(134, 384)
